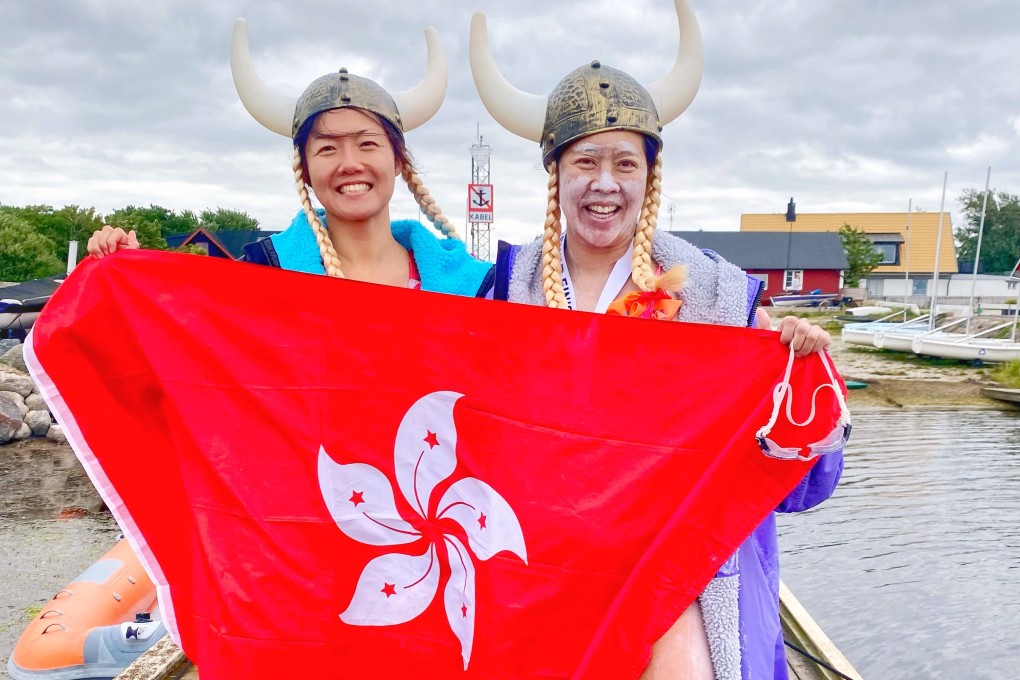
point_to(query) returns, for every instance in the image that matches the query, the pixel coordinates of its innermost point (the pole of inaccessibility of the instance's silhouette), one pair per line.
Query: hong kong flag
(333, 479)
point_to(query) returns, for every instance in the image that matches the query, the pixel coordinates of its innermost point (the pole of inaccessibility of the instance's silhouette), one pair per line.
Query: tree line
(34, 239)
(1000, 243)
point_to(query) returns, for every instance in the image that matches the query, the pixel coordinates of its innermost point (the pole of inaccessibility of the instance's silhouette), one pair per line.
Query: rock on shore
(23, 412)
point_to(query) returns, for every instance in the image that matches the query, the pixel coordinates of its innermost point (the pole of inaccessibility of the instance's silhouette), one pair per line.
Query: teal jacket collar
(444, 264)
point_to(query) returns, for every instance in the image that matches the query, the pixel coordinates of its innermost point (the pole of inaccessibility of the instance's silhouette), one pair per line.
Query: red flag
(335, 479)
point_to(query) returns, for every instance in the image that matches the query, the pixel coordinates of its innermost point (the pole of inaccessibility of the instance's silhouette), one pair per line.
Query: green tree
(860, 253)
(190, 249)
(42, 218)
(25, 254)
(223, 219)
(79, 223)
(1000, 246)
(149, 235)
(165, 221)
(70, 223)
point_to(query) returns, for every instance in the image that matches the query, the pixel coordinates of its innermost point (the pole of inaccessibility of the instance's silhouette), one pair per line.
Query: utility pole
(791, 217)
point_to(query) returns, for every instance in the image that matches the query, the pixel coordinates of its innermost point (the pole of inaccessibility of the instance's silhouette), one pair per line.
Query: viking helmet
(285, 115)
(593, 98)
(341, 90)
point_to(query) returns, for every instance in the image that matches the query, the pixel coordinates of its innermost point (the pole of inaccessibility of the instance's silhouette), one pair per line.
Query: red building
(788, 262)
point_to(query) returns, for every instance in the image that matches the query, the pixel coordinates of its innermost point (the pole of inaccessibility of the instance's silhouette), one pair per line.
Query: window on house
(764, 278)
(1011, 285)
(793, 279)
(890, 252)
(920, 286)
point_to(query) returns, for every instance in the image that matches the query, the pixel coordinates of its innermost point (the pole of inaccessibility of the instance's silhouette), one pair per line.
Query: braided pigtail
(642, 268)
(642, 272)
(552, 265)
(330, 260)
(427, 203)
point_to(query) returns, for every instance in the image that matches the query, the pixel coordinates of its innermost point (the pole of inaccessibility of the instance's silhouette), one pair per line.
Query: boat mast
(938, 250)
(1016, 315)
(977, 253)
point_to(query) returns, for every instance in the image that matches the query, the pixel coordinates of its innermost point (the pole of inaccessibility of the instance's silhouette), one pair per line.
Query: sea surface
(913, 566)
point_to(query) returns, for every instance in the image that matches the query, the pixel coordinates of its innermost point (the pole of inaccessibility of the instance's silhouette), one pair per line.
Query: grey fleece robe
(715, 293)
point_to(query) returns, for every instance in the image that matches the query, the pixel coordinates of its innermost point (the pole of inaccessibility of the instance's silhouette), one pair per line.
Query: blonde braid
(642, 272)
(552, 267)
(428, 204)
(330, 260)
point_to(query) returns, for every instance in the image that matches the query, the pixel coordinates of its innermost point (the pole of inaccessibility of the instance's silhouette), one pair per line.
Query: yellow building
(907, 242)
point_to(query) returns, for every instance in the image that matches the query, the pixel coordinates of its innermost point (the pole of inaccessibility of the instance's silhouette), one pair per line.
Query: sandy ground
(897, 380)
(39, 557)
(52, 526)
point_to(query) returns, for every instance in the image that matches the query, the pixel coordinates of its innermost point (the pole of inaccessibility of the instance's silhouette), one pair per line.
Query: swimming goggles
(832, 443)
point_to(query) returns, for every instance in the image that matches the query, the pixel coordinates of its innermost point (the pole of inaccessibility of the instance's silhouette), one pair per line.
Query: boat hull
(89, 629)
(897, 341)
(823, 300)
(863, 333)
(989, 350)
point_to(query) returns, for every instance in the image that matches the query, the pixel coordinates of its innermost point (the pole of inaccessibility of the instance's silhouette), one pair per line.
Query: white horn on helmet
(276, 112)
(519, 112)
(272, 110)
(423, 100)
(674, 93)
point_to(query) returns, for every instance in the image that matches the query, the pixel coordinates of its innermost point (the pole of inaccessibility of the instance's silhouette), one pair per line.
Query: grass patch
(1008, 374)
(832, 326)
(32, 611)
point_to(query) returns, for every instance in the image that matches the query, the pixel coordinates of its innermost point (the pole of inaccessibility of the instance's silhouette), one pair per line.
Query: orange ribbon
(657, 304)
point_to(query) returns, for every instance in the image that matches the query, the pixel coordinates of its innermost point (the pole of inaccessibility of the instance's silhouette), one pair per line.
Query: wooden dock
(800, 629)
(165, 661)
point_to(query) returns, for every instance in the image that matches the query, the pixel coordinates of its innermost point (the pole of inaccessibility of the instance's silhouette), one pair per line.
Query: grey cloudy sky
(845, 105)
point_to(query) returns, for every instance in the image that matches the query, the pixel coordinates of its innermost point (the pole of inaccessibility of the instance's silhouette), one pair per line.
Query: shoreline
(904, 381)
(922, 395)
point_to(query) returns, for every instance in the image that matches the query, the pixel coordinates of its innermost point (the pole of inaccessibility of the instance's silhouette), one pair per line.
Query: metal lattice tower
(481, 232)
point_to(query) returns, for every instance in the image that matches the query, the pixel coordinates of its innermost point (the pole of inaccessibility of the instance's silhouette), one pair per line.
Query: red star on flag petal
(431, 439)
(481, 520)
(463, 609)
(357, 498)
(389, 589)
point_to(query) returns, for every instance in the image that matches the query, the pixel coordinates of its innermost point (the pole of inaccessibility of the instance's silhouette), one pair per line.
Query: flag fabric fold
(338, 479)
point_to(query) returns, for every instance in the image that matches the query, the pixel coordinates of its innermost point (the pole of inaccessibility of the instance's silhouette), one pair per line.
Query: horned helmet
(286, 116)
(593, 98)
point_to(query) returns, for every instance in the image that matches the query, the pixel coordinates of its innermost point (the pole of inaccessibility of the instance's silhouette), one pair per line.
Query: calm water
(913, 566)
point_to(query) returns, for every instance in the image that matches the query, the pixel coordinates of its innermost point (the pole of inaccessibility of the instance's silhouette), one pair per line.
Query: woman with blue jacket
(348, 138)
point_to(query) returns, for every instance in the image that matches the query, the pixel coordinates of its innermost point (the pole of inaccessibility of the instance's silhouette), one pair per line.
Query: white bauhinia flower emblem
(397, 587)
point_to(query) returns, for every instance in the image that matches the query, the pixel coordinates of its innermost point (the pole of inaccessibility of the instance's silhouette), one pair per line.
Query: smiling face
(351, 164)
(602, 187)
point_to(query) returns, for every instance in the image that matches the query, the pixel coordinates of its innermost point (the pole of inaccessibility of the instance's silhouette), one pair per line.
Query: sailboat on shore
(922, 336)
(980, 345)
